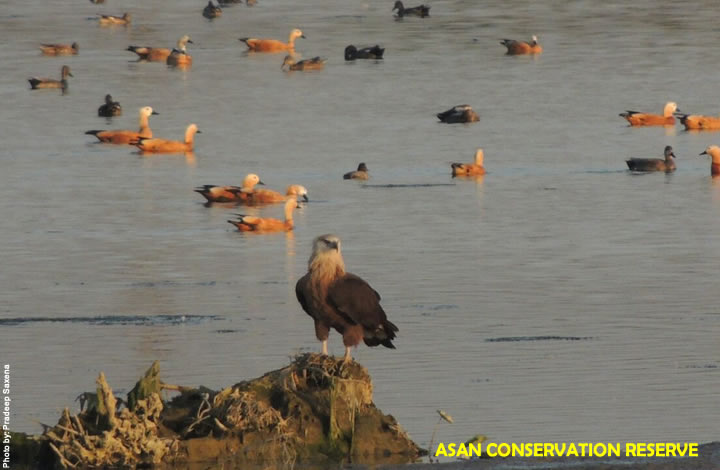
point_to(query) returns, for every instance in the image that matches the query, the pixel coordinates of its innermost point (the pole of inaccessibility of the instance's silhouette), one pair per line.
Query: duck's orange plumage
(170, 146)
(59, 49)
(714, 152)
(521, 47)
(126, 136)
(111, 20)
(636, 118)
(247, 223)
(230, 193)
(268, 196)
(470, 169)
(273, 45)
(697, 122)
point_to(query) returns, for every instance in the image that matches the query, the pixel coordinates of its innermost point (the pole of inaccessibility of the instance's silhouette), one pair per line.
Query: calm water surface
(559, 298)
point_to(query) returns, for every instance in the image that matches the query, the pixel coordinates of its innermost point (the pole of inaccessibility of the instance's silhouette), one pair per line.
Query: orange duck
(636, 118)
(248, 223)
(115, 20)
(59, 49)
(521, 47)
(697, 122)
(714, 152)
(268, 196)
(316, 63)
(169, 146)
(273, 45)
(125, 136)
(230, 193)
(470, 169)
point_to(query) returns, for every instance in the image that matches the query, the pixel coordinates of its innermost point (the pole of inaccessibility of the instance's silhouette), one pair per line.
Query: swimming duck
(421, 10)
(211, 11)
(521, 47)
(247, 223)
(698, 122)
(59, 49)
(169, 146)
(273, 45)
(470, 169)
(179, 58)
(268, 196)
(159, 54)
(124, 136)
(230, 193)
(374, 52)
(316, 63)
(653, 164)
(636, 118)
(37, 83)
(110, 108)
(115, 20)
(714, 152)
(360, 174)
(459, 114)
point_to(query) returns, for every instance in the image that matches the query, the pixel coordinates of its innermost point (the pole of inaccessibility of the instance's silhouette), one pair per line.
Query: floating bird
(273, 45)
(115, 20)
(126, 136)
(714, 152)
(211, 11)
(654, 164)
(268, 196)
(374, 52)
(179, 58)
(337, 299)
(230, 193)
(37, 83)
(110, 108)
(248, 223)
(470, 169)
(169, 146)
(59, 49)
(421, 10)
(159, 54)
(521, 47)
(316, 63)
(694, 122)
(360, 174)
(458, 114)
(636, 118)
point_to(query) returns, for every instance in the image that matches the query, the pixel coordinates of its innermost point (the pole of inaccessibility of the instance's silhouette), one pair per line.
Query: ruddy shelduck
(522, 47)
(115, 20)
(268, 196)
(170, 146)
(373, 52)
(126, 136)
(459, 114)
(360, 174)
(159, 54)
(636, 118)
(654, 164)
(230, 193)
(211, 11)
(110, 108)
(316, 63)
(714, 152)
(60, 49)
(273, 45)
(421, 10)
(248, 223)
(697, 122)
(38, 83)
(470, 169)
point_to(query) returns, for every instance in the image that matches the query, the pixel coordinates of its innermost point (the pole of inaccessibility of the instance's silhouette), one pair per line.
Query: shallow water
(559, 298)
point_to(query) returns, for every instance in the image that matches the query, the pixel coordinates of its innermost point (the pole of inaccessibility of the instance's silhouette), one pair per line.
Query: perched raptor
(341, 300)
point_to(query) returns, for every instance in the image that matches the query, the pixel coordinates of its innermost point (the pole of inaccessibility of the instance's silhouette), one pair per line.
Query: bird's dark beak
(190, 41)
(703, 153)
(260, 182)
(155, 112)
(305, 198)
(71, 74)
(303, 36)
(198, 131)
